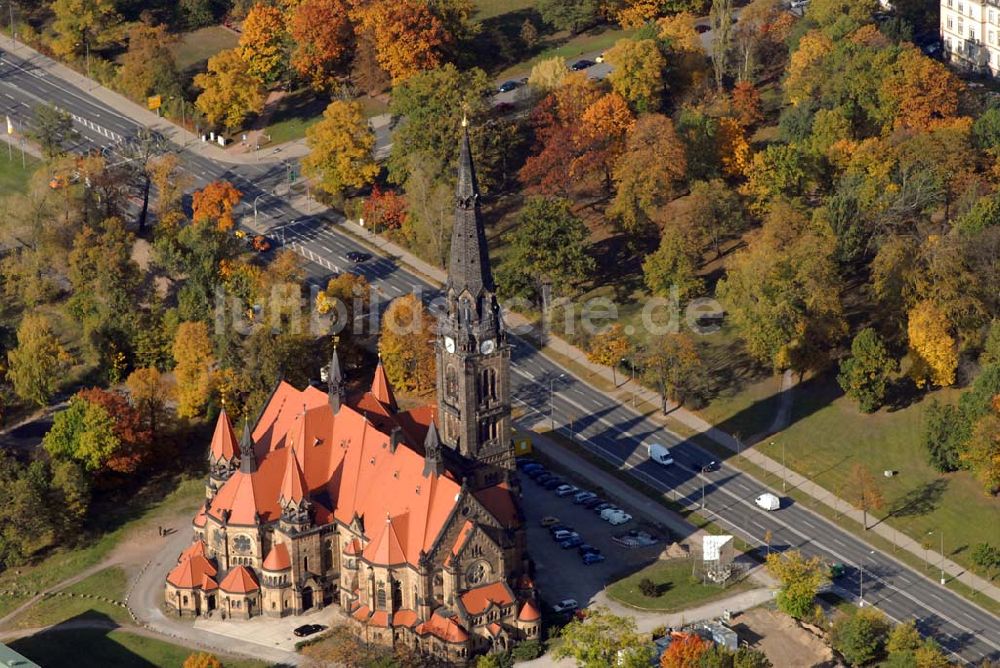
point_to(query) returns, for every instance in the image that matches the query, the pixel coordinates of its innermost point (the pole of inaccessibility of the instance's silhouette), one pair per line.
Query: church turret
(335, 382)
(473, 356)
(381, 389)
(294, 495)
(433, 462)
(248, 457)
(222, 454)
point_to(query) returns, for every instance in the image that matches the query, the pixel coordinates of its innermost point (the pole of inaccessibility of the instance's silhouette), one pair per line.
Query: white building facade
(970, 33)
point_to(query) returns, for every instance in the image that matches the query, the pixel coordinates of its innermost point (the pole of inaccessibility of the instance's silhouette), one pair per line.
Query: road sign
(153, 102)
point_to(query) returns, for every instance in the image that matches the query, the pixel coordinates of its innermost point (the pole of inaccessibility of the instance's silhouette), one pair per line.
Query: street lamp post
(702, 476)
(255, 207)
(13, 32)
(784, 471)
(552, 406)
(861, 582)
(631, 367)
(942, 557)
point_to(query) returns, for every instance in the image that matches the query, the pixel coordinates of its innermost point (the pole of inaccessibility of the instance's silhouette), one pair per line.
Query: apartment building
(970, 33)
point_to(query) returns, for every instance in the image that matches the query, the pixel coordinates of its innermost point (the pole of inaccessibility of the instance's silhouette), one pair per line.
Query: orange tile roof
(191, 572)
(499, 500)
(460, 539)
(494, 629)
(353, 547)
(208, 584)
(386, 549)
(445, 628)
(239, 581)
(529, 613)
(200, 518)
(379, 618)
(293, 485)
(381, 389)
(224, 445)
(361, 614)
(405, 618)
(478, 600)
(197, 548)
(277, 559)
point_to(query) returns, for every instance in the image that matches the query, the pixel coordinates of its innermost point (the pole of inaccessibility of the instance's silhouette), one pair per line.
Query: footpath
(558, 346)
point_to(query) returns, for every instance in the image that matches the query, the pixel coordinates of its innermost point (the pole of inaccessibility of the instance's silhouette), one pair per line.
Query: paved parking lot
(560, 573)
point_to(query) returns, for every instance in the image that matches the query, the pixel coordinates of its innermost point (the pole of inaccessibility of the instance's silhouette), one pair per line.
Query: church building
(409, 521)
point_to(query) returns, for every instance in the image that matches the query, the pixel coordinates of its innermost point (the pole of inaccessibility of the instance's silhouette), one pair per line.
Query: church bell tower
(473, 355)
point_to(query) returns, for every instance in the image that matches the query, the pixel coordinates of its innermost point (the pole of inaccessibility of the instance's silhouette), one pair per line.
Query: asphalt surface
(611, 430)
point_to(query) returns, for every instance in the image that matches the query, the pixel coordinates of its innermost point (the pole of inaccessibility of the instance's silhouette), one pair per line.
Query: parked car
(592, 558)
(566, 490)
(554, 483)
(621, 517)
(601, 507)
(308, 630)
(583, 497)
(702, 28)
(532, 466)
(562, 536)
(609, 511)
(549, 521)
(555, 528)
(507, 86)
(537, 474)
(358, 257)
(587, 548)
(571, 542)
(565, 605)
(524, 462)
(582, 64)
(768, 501)
(590, 504)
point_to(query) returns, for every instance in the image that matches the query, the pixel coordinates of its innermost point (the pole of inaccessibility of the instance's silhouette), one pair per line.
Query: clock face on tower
(449, 344)
(487, 346)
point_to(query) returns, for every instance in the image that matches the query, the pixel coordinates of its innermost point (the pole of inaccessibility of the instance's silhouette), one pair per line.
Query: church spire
(335, 382)
(248, 458)
(469, 264)
(433, 464)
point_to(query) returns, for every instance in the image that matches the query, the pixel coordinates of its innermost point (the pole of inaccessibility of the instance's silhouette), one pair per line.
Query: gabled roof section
(460, 541)
(477, 601)
(192, 568)
(381, 389)
(445, 628)
(277, 559)
(224, 445)
(387, 550)
(293, 484)
(499, 500)
(239, 581)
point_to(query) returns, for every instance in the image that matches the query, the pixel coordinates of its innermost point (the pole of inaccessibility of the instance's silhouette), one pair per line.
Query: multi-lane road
(608, 428)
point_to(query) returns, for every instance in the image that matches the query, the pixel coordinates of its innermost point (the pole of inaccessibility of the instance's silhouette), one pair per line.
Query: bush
(527, 650)
(648, 588)
(861, 638)
(660, 631)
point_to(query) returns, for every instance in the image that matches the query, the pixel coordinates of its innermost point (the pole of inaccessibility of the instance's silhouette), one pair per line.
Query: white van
(659, 454)
(768, 501)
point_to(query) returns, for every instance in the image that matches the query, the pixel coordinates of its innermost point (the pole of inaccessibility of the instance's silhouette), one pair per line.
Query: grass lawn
(674, 582)
(828, 436)
(196, 47)
(570, 48)
(299, 110)
(487, 9)
(13, 177)
(85, 648)
(109, 583)
(64, 562)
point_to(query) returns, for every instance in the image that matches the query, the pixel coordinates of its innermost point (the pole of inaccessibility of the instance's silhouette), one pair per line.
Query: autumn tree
(716, 212)
(601, 140)
(734, 149)
(672, 269)
(864, 376)
(263, 43)
(572, 15)
(79, 25)
(341, 149)
(648, 172)
(782, 292)
(609, 348)
(860, 637)
(685, 651)
(602, 639)
(148, 391)
(800, 578)
(215, 203)
(405, 344)
(865, 493)
(148, 66)
(779, 170)
(193, 371)
(346, 300)
(548, 246)
(36, 365)
(202, 660)
(546, 75)
(322, 32)
(934, 350)
(685, 53)
(919, 92)
(408, 37)
(982, 451)
(384, 210)
(100, 431)
(230, 93)
(720, 17)
(170, 184)
(747, 104)
(672, 363)
(431, 212)
(637, 73)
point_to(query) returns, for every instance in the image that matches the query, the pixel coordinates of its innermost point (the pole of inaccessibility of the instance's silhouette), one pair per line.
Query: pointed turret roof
(293, 484)
(381, 389)
(248, 458)
(469, 264)
(334, 375)
(224, 446)
(387, 550)
(432, 452)
(239, 581)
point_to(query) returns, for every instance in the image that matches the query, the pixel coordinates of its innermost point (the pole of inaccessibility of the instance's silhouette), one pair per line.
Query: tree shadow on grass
(921, 500)
(61, 645)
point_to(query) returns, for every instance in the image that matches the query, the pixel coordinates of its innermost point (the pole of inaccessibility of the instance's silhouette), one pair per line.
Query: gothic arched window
(450, 382)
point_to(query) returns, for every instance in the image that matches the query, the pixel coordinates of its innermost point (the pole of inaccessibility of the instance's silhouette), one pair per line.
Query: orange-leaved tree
(933, 347)
(322, 32)
(919, 92)
(609, 348)
(230, 92)
(601, 139)
(215, 203)
(684, 652)
(408, 36)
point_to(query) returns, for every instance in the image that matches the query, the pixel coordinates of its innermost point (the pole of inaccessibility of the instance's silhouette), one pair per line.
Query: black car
(601, 506)
(588, 549)
(708, 467)
(507, 86)
(556, 528)
(542, 478)
(582, 65)
(537, 473)
(358, 257)
(593, 503)
(308, 630)
(552, 483)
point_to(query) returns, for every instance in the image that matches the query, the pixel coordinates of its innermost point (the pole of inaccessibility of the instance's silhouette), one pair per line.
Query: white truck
(659, 454)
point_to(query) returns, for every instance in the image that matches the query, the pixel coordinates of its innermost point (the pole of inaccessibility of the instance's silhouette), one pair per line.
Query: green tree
(547, 246)
(673, 266)
(864, 376)
(800, 578)
(720, 18)
(83, 25)
(341, 149)
(942, 436)
(427, 228)
(84, 432)
(53, 129)
(716, 212)
(903, 638)
(719, 656)
(860, 637)
(986, 557)
(603, 639)
(148, 67)
(572, 15)
(37, 364)
(70, 493)
(673, 364)
(778, 170)
(637, 73)
(432, 105)
(991, 349)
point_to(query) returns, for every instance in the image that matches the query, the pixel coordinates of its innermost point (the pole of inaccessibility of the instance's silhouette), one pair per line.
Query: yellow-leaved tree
(548, 74)
(609, 348)
(193, 370)
(408, 36)
(230, 92)
(263, 43)
(405, 344)
(734, 149)
(934, 351)
(341, 149)
(804, 75)
(637, 73)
